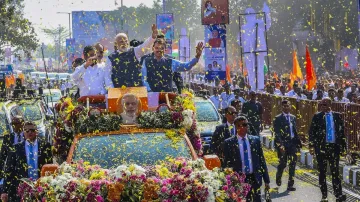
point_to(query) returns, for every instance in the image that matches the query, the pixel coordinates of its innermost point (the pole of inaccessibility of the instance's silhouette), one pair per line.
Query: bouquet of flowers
(173, 180)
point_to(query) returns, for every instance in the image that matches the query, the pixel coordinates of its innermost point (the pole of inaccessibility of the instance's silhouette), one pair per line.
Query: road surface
(306, 189)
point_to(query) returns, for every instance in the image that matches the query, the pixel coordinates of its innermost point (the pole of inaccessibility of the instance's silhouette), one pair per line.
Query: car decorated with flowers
(158, 159)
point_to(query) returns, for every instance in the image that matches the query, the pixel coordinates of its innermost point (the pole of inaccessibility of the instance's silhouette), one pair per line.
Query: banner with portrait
(214, 12)
(215, 63)
(165, 23)
(215, 36)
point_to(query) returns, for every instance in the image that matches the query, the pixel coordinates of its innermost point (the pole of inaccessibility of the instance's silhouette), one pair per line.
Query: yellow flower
(163, 172)
(123, 87)
(131, 168)
(97, 175)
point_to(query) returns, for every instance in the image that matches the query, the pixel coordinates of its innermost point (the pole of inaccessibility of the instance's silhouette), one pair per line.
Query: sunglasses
(31, 130)
(323, 105)
(231, 113)
(244, 125)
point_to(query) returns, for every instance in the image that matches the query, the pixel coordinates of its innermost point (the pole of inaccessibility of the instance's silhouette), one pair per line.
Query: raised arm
(145, 48)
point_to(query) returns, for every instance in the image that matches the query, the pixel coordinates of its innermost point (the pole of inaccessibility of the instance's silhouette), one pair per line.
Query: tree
(59, 35)
(15, 30)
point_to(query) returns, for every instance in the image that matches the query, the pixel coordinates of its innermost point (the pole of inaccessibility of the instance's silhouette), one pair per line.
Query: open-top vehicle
(159, 158)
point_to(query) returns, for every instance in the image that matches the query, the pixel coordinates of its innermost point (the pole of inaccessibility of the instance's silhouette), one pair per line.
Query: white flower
(138, 171)
(66, 168)
(188, 120)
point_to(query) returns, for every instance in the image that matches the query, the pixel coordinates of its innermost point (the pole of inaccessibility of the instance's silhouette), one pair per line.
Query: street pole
(164, 6)
(122, 16)
(59, 48)
(69, 25)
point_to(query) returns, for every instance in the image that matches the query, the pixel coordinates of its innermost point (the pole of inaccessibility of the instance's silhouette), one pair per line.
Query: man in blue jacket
(158, 71)
(243, 153)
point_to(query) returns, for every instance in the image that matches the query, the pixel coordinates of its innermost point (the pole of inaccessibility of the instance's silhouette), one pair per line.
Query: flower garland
(173, 180)
(73, 120)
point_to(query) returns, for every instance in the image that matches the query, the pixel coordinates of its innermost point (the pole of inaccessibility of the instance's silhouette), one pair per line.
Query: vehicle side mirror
(212, 161)
(49, 169)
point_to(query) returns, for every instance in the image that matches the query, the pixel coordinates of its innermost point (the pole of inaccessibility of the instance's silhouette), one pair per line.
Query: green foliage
(98, 124)
(15, 30)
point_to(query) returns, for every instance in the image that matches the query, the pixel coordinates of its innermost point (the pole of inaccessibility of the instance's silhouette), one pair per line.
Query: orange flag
(228, 77)
(310, 71)
(296, 67)
(276, 76)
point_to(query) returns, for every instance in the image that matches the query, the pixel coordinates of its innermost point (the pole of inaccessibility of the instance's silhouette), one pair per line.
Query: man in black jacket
(287, 142)
(223, 132)
(327, 141)
(253, 111)
(10, 140)
(243, 153)
(25, 161)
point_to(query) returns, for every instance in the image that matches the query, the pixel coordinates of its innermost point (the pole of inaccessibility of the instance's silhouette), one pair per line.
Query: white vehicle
(52, 76)
(63, 76)
(52, 96)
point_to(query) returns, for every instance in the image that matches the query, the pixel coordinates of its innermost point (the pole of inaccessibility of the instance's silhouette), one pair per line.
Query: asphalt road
(306, 189)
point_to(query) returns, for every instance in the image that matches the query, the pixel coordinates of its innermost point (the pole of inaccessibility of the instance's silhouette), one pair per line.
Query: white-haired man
(124, 64)
(130, 105)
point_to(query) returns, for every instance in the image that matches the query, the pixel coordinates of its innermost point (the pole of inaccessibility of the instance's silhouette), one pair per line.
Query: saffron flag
(310, 71)
(228, 77)
(296, 67)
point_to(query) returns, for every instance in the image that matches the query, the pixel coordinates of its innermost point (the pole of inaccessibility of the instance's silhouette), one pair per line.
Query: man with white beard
(124, 64)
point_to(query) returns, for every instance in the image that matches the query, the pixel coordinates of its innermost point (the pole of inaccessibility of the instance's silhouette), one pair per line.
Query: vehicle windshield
(54, 97)
(51, 76)
(142, 149)
(31, 112)
(205, 112)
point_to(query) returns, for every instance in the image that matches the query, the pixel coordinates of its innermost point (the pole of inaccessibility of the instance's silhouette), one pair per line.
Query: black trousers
(329, 154)
(254, 194)
(287, 157)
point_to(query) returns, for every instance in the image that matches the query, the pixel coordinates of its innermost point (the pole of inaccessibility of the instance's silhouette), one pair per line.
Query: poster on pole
(214, 12)
(215, 36)
(165, 23)
(215, 63)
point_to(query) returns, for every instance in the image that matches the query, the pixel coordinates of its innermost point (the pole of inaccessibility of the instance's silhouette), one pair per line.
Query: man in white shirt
(124, 64)
(91, 77)
(226, 97)
(215, 99)
(340, 97)
(298, 93)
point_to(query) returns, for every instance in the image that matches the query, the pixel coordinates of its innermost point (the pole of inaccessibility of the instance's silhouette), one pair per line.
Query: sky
(43, 13)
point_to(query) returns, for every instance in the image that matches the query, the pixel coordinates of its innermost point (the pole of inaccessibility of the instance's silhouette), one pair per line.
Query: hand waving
(154, 31)
(199, 49)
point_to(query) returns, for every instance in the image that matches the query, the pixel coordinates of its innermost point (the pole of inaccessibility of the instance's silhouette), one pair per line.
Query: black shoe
(291, 188)
(278, 182)
(341, 198)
